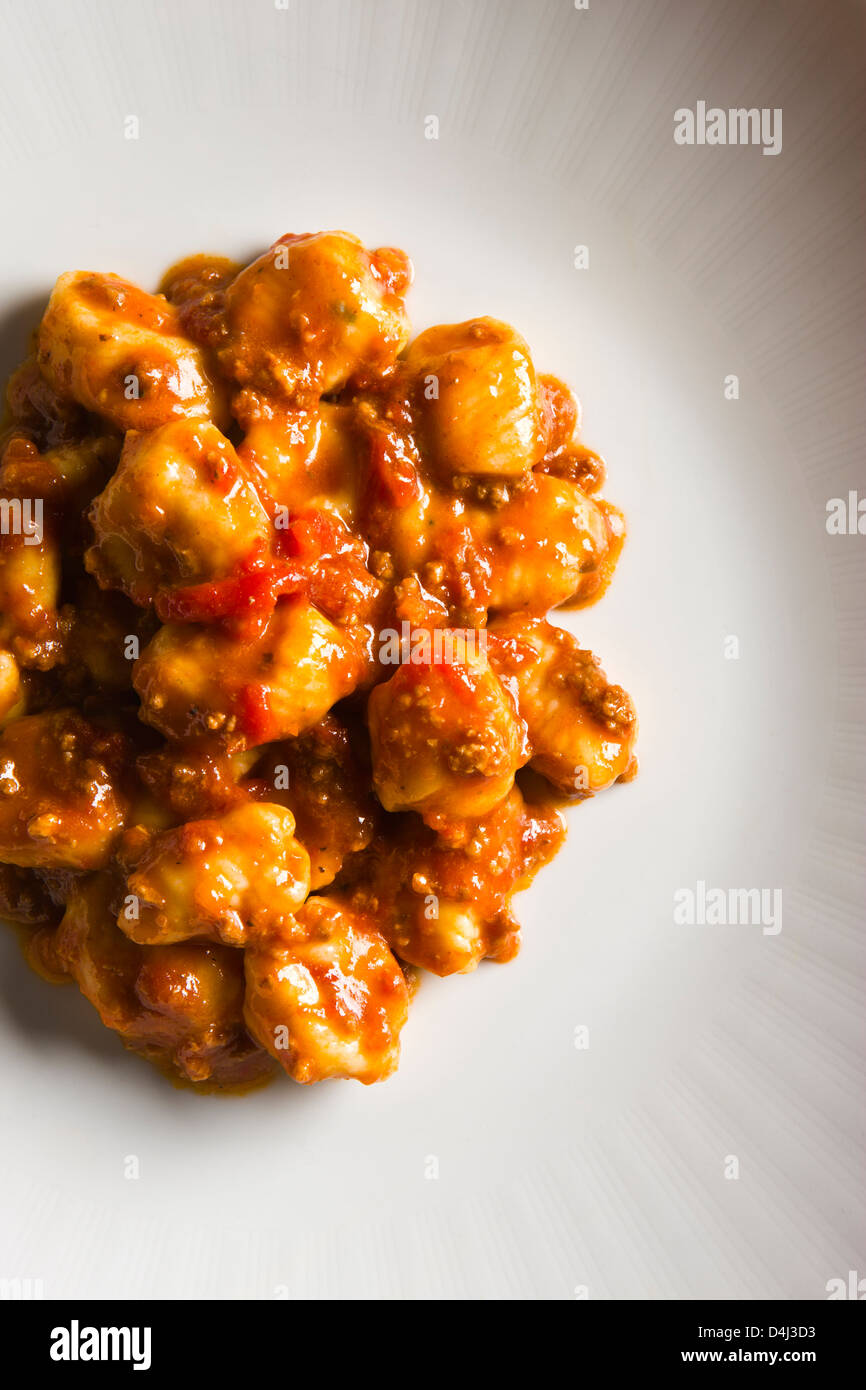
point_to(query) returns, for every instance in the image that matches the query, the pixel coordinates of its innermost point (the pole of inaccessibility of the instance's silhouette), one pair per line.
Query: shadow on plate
(18, 323)
(49, 1019)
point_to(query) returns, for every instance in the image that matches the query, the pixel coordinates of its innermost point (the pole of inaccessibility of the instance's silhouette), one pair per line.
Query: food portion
(120, 353)
(62, 798)
(329, 999)
(234, 878)
(581, 729)
(446, 738)
(309, 314)
(178, 511)
(283, 719)
(442, 900)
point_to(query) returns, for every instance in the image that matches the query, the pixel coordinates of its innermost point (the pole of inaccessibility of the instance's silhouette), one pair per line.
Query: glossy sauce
(228, 810)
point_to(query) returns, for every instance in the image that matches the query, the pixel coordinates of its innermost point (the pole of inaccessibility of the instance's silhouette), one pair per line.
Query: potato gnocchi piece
(179, 510)
(66, 476)
(29, 585)
(119, 352)
(582, 731)
(445, 734)
(179, 1005)
(194, 680)
(561, 411)
(307, 459)
(548, 545)
(329, 1000)
(536, 543)
(195, 284)
(416, 533)
(308, 314)
(476, 399)
(12, 694)
(233, 878)
(442, 901)
(62, 803)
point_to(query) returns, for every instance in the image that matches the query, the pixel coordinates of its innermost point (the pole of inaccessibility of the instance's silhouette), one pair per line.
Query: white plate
(560, 1169)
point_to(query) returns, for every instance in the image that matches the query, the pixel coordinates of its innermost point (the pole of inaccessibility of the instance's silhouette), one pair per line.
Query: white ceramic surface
(560, 1169)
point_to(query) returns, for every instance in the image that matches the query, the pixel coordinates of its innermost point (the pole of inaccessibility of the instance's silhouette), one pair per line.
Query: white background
(559, 1168)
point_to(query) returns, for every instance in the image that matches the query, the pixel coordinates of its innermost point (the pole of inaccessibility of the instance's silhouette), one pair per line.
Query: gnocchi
(231, 878)
(178, 511)
(119, 353)
(283, 717)
(329, 999)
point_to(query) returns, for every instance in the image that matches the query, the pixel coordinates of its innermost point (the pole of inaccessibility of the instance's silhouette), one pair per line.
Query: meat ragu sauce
(282, 715)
